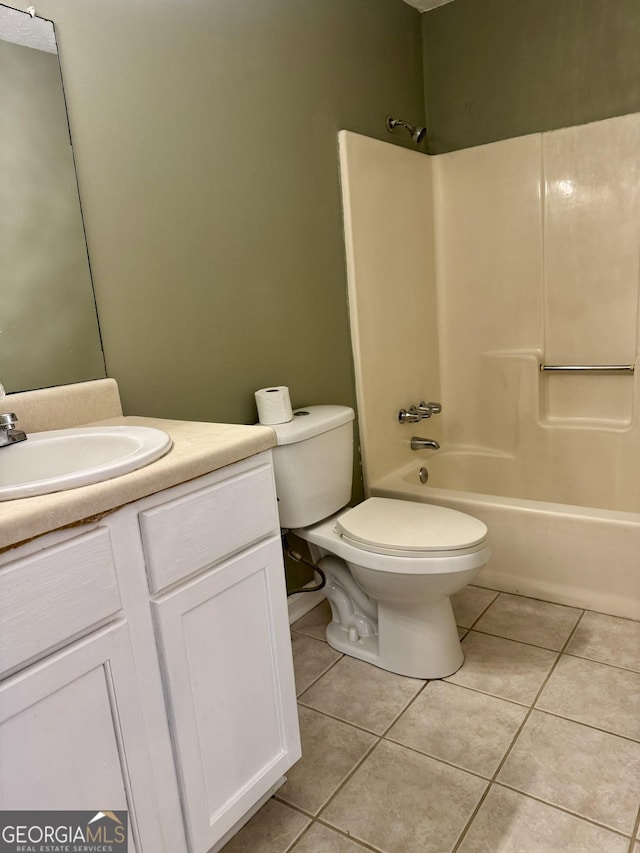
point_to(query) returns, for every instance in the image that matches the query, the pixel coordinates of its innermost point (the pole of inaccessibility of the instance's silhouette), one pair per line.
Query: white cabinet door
(65, 724)
(227, 662)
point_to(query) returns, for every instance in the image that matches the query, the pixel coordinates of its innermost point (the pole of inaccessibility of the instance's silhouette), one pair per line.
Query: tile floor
(533, 746)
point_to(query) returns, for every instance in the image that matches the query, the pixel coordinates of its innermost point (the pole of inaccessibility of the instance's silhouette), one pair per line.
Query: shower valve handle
(428, 409)
(412, 416)
(418, 413)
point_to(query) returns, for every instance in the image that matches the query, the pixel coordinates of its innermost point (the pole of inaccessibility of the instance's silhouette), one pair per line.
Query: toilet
(390, 565)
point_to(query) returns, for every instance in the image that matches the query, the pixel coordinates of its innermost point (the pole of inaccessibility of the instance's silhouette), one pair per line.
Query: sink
(67, 458)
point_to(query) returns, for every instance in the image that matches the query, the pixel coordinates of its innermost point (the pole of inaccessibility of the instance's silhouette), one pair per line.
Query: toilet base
(419, 641)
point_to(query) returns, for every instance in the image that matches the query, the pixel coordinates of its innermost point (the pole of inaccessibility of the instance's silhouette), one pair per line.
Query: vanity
(144, 643)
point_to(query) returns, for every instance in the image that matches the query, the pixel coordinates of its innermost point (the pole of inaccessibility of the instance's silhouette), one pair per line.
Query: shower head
(417, 133)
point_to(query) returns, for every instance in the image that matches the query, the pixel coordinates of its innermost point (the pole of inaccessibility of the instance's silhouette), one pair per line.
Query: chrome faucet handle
(428, 409)
(412, 416)
(7, 420)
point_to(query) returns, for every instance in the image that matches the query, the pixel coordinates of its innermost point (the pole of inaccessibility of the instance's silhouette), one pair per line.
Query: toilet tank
(313, 464)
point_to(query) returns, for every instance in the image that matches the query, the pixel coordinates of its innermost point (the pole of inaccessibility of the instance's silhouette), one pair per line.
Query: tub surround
(198, 448)
(388, 212)
(533, 258)
(528, 256)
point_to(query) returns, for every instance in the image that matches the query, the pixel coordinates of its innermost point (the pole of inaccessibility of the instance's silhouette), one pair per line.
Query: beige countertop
(198, 448)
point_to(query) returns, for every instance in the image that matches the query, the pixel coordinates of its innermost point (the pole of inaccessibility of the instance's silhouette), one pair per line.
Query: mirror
(49, 333)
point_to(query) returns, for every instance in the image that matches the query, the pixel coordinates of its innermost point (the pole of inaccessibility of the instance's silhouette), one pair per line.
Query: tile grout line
(330, 799)
(298, 837)
(546, 648)
(555, 603)
(318, 677)
(344, 722)
(603, 663)
(412, 749)
(483, 611)
(522, 642)
(635, 833)
(484, 692)
(509, 749)
(547, 713)
(563, 809)
(360, 727)
(548, 601)
(365, 845)
(304, 634)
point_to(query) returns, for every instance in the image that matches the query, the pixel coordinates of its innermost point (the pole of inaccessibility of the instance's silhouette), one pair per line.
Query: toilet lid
(409, 528)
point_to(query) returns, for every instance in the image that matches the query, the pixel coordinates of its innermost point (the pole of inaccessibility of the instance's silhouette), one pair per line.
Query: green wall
(495, 69)
(206, 143)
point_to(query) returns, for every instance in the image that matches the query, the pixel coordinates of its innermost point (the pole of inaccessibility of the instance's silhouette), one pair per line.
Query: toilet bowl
(390, 565)
(391, 606)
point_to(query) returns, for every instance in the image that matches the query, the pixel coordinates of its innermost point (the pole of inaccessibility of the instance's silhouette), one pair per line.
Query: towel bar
(588, 368)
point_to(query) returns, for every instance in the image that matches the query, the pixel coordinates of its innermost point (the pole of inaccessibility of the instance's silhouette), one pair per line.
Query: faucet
(410, 416)
(418, 443)
(417, 413)
(428, 409)
(8, 432)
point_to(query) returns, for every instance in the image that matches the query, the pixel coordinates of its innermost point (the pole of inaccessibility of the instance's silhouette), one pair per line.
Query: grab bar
(588, 368)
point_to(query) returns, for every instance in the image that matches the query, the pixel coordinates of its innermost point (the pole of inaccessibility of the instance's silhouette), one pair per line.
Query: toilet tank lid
(312, 420)
(410, 526)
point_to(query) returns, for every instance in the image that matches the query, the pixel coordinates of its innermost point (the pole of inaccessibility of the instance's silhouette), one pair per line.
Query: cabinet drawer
(195, 531)
(55, 595)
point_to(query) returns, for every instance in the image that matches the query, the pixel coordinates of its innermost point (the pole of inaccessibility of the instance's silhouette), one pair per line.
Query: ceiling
(425, 5)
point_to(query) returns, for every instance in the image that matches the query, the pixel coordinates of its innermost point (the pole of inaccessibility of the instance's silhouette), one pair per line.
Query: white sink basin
(67, 458)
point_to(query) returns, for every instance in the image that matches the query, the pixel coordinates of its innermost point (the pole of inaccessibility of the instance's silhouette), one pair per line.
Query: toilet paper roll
(274, 405)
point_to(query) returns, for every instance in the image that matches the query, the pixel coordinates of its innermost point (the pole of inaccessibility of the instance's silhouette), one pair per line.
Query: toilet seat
(410, 529)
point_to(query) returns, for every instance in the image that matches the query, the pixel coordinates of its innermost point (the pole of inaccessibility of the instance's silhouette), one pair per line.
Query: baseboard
(302, 602)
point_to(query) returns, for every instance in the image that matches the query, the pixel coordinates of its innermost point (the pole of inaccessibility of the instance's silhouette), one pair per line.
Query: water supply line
(298, 558)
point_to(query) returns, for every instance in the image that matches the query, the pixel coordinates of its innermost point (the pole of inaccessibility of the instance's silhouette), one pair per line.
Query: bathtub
(579, 556)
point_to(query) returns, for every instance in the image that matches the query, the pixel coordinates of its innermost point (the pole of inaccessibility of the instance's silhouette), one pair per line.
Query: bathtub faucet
(428, 409)
(414, 414)
(418, 443)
